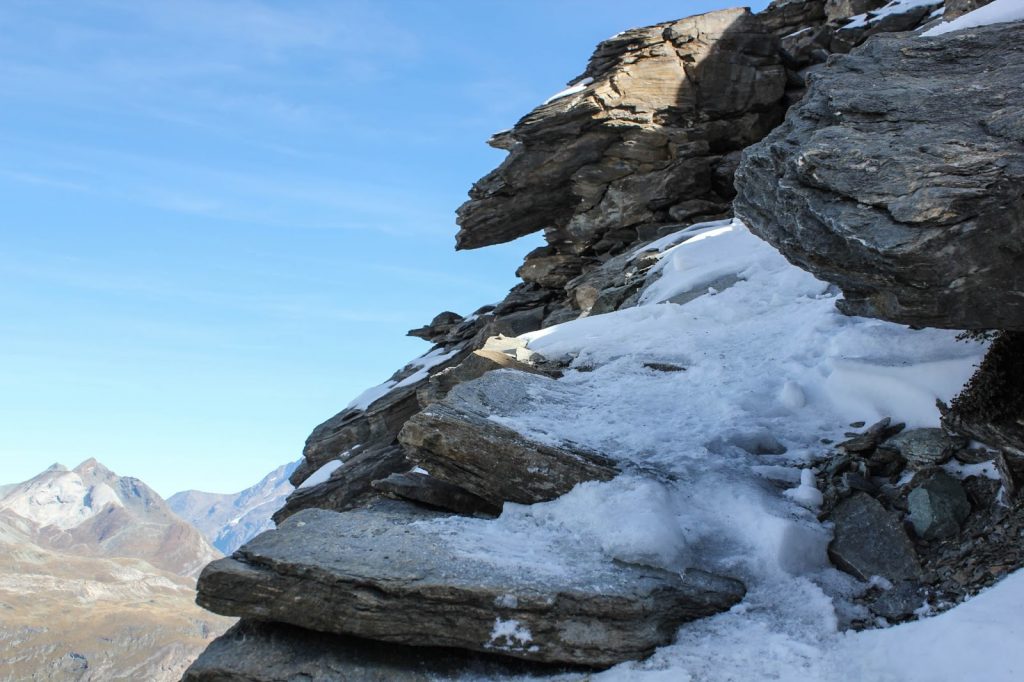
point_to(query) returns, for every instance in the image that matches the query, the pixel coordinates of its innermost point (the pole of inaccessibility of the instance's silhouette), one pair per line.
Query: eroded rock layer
(646, 136)
(385, 574)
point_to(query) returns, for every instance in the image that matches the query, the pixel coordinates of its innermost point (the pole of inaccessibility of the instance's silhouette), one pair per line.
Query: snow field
(771, 369)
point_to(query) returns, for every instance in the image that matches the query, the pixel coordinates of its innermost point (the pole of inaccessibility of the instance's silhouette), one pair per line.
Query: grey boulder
(870, 541)
(254, 651)
(391, 574)
(938, 506)
(458, 441)
(898, 177)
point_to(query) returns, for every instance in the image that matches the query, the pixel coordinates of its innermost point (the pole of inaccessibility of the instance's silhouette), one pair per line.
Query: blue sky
(218, 219)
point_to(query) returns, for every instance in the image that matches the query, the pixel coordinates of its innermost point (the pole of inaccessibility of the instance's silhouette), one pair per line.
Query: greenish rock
(926, 447)
(870, 541)
(938, 506)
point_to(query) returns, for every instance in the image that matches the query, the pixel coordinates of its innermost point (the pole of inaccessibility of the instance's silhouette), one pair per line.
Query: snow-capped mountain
(229, 520)
(91, 511)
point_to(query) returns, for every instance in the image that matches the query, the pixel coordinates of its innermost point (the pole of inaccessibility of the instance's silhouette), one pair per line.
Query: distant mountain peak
(230, 520)
(90, 510)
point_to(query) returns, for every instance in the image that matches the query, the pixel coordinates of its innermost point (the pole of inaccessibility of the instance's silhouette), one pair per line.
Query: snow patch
(578, 86)
(322, 474)
(510, 635)
(422, 366)
(996, 12)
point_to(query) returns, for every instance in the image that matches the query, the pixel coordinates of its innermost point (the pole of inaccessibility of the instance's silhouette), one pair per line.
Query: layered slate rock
(643, 138)
(433, 492)
(459, 441)
(350, 485)
(899, 177)
(252, 651)
(388, 574)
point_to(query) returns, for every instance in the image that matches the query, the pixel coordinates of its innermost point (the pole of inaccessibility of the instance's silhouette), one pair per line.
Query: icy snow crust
(895, 7)
(422, 366)
(770, 364)
(996, 12)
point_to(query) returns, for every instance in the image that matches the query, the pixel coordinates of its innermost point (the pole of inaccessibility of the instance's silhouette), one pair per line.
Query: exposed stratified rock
(383, 573)
(375, 424)
(272, 652)
(783, 17)
(349, 485)
(892, 17)
(439, 327)
(458, 440)
(642, 132)
(938, 506)
(425, 489)
(549, 269)
(899, 179)
(926, 447)
(870, 541)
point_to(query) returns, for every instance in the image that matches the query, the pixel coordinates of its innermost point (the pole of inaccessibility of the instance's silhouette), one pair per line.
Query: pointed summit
(92, 469)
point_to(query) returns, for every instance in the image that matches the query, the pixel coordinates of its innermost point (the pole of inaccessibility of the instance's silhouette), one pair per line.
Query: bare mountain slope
(65, 617)
(229, 520)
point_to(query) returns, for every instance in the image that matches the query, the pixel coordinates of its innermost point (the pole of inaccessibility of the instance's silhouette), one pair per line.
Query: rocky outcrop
(459, 441)
(254, 651)
(431, 491)
(645, 137)
(899, 179)
(385, 574)
(348, 486)
(643, 144)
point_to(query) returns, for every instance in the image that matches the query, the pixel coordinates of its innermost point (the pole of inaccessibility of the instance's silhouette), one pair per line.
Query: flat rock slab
(870, 541)
(388, 573)
(432, 492)
(252, 651)
(459, 441)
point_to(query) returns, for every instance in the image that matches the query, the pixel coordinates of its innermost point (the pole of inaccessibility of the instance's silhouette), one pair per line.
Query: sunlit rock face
(643, 138)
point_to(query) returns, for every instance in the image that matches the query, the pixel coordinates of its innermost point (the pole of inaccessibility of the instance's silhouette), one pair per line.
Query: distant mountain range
(97, 580)
(230, 520)
(91, 511)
